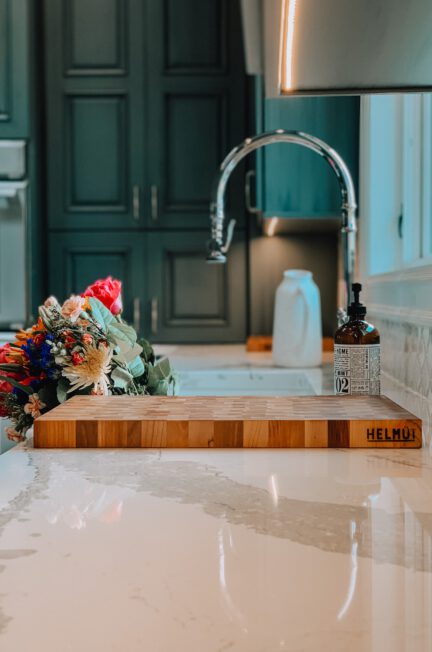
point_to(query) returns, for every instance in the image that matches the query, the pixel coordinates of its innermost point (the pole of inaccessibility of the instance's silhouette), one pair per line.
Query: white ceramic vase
(297, 329)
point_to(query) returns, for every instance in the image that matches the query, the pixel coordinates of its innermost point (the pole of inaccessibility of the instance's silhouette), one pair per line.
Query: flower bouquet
(80, 347)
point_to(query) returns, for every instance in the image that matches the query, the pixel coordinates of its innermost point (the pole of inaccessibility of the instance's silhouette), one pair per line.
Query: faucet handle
(229, 236)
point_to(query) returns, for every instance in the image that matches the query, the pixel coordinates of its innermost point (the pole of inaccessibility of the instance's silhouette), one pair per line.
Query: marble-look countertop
(215, 550)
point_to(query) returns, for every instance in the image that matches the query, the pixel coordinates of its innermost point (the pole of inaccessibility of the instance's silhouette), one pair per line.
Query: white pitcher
(297, 329)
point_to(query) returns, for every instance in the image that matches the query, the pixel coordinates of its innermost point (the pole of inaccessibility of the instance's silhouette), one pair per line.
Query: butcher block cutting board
(228, 422)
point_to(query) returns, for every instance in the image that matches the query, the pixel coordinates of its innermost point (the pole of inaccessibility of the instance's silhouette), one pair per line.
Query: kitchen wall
(270, 256)
(407, 366)
(395, 261)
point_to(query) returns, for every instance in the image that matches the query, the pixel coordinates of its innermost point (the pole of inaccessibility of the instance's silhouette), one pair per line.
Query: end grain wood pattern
(228, 422)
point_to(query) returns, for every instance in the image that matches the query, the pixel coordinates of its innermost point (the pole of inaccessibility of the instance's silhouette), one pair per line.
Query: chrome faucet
(218, 248)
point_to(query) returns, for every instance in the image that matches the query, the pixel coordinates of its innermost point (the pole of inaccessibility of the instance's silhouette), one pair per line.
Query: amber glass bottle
(357, 352)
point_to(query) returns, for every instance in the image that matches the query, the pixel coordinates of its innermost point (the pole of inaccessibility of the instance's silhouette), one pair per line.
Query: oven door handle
(8, 193)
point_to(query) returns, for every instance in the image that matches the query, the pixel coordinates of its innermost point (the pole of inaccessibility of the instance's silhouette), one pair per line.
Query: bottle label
(357, 369)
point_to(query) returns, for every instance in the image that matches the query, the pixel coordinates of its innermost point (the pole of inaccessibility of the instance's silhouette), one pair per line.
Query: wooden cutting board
(228, 422)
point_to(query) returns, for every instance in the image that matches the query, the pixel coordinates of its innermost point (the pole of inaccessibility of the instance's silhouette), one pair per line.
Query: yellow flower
(92, 372)
(34, 406)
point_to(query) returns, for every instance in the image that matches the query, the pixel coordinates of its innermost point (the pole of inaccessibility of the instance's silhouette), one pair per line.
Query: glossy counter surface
(215, 550)
(250, 551)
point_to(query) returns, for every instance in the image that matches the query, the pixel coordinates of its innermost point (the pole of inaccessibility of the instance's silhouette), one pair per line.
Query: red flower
(4, 353)
(108, 291)
(69, 340)
(27, 381)
(77, 358)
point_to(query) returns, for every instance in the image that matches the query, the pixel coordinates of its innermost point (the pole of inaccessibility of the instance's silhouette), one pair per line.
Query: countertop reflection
(215, 550)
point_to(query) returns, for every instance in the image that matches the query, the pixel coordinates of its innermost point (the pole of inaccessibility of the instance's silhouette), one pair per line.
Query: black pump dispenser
(356, 309)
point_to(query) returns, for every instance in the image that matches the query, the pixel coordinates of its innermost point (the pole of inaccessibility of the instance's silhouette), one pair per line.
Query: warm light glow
(287, 44)
(353, 578)
(273, 490)
(270, 226)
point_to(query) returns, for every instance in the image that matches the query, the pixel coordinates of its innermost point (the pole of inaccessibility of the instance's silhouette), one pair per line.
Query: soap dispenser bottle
(357, 352)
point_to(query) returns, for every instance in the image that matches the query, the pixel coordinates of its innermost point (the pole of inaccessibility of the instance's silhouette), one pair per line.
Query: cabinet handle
(136, 202)
(250, 174)
(154, 201)
(137, 314)
(154, 315)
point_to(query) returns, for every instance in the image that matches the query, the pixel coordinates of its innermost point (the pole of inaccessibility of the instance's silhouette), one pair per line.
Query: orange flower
(18, 356)
(23, 335)
(87, 338)
(34, 406)
(13, 435)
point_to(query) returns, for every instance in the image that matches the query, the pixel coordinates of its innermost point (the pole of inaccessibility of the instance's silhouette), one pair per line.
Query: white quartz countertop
(215, 550)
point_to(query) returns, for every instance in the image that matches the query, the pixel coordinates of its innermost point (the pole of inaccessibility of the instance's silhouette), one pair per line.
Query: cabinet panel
(205, 51)
(90, 50)
(5, 61)
(76, 260)
(191, 300)
(196, 112)
(196, 128)
(96, 114)
(96, 161)
(14, 69)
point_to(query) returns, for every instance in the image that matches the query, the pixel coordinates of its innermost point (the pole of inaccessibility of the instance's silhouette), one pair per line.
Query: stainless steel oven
(14, 249)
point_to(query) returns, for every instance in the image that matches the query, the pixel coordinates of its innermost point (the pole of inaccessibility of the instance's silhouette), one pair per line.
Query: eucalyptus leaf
(147, 350)
(163, 368)
(136, 367)
(62, 389)
(121, 332)
(101, 314)
(153, 379)
(121, 377)
(161, 388)
(128, 352)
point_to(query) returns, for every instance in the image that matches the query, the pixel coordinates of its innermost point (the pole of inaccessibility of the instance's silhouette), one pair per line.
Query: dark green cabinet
(144, 100)
(170, 293)
(196, 111)
(190, 300)
(141, 112)
(77, 260)
(14, 68)
(95, 113)
(295, 182)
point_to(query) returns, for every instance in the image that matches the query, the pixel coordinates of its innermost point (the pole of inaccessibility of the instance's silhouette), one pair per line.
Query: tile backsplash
(406, 358)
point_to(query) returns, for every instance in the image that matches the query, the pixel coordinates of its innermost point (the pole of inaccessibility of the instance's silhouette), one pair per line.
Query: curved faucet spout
(217, 247)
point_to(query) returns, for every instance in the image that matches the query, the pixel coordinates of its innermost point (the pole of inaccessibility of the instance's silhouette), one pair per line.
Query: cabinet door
(196, 107)
(297, 182)
(191, 300)
(95, 113)
(77, 260)
(14, 69)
